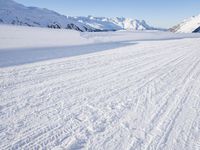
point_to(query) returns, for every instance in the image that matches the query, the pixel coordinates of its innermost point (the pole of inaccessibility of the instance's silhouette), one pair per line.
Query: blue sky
(161, 13)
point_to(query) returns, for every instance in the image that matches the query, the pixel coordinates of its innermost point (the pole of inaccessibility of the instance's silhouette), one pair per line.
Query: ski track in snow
(144, 96)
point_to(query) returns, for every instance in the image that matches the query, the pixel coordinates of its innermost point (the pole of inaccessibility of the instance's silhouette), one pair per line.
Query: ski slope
(106, 91)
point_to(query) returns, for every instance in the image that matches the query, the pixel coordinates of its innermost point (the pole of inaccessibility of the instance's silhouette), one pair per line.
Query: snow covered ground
(62, 89)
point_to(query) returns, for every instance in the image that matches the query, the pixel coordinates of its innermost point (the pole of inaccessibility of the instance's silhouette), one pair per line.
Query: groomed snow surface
(63, 89)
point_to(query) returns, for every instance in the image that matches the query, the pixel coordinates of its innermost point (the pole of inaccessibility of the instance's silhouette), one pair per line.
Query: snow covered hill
(17, 14)
(191, 25)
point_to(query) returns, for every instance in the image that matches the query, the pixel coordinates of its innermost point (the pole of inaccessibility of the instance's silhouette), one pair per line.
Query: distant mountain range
(190, 25)
(17, 14)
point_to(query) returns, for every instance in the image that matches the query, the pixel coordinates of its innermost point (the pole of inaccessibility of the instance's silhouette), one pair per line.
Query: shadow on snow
(20, 56)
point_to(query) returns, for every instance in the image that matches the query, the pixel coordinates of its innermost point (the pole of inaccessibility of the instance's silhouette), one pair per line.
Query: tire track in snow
(77, 114)
(169, 71)
(174, 111)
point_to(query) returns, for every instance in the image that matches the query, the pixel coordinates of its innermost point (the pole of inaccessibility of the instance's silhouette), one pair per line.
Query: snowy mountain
(17, 14)
(191, 25)
(103, 23)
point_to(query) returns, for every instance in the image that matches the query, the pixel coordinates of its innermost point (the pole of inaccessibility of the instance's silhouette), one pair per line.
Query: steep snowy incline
(191, 25)
(17, 14)
(143, 95)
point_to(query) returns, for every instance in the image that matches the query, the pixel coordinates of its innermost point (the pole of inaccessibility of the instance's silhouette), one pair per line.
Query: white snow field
(61, 89)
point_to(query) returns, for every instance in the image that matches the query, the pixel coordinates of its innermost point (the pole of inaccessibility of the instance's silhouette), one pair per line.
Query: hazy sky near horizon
(159, 13)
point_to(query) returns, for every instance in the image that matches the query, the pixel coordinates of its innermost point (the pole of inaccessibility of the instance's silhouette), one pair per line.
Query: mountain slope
(103, 23)
(131, 24)
(17, 14)
(191, 25)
